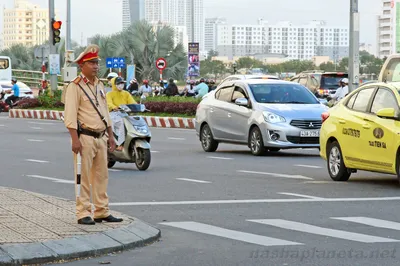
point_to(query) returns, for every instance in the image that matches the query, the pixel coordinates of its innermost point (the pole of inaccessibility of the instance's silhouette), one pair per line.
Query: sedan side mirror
(387, 113)
(242, 102)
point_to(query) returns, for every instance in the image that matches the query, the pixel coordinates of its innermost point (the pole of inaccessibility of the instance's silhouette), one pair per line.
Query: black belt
(91, 133)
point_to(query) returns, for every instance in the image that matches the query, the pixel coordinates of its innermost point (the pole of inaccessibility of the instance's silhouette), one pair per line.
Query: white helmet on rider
(112, 75)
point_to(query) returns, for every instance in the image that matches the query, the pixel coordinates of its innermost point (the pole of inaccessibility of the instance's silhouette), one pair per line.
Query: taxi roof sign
(390, 71)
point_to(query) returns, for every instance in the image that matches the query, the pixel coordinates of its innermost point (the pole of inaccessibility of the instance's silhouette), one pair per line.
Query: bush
(173, 99)
(186, 108)
(50, 99)
(28, 103)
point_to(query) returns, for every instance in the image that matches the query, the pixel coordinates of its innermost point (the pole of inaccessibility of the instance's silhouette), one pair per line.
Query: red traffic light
(57, 25)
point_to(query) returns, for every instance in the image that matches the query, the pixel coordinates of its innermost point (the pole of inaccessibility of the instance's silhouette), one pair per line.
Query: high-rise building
(387, 27)
(195, 21)
(295, 42)
(25, 24)
(132, 11)
(154, 11)
(210, 33)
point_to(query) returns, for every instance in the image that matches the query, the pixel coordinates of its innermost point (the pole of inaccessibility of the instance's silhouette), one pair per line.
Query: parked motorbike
(136, 148)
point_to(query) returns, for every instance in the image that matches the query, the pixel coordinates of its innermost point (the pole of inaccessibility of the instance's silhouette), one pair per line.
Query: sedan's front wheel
(256, 142)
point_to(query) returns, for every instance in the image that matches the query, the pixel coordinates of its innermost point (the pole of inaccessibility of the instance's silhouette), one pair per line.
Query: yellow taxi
(362, 131)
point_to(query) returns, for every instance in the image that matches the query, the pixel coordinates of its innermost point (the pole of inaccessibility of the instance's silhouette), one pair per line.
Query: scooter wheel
(111, 164)
(143, 159)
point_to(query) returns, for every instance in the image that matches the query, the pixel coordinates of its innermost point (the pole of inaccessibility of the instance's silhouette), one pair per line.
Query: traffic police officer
(87, 119)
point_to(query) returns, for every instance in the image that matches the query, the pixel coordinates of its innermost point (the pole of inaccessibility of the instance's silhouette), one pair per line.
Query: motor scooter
(136, 148)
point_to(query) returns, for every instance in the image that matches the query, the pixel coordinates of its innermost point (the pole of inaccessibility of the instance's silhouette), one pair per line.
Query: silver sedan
(266, 115)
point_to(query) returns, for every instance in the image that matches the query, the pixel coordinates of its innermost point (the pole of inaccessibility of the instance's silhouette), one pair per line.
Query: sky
(90, 17)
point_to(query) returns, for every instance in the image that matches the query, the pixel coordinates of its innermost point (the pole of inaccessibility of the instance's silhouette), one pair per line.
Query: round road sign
(161, 63)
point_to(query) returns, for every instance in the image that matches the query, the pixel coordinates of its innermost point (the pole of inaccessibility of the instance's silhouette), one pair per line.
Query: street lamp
(234, 67)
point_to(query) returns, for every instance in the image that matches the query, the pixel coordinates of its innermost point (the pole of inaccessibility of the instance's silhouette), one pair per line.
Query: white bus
(5, 68)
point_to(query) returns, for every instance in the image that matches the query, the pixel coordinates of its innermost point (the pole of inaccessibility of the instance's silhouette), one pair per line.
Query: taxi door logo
(378, 133)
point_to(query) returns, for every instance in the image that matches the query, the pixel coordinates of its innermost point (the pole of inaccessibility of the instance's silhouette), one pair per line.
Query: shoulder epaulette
(77, 80)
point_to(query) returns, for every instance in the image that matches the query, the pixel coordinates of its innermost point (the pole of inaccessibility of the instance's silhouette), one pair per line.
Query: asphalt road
(222, 208)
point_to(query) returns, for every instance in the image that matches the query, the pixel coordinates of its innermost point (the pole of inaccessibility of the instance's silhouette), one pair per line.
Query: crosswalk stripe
(312, 229)
(371, 222)
(230, 234)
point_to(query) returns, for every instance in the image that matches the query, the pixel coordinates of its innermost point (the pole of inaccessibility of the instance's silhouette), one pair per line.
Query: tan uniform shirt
(78, 106)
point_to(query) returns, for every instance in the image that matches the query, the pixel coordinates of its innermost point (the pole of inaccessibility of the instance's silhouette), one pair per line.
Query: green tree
(328, 66)
(248, 63)
(214, 68)
(211, 54)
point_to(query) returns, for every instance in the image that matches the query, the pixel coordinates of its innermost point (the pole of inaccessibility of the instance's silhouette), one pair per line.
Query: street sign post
(161, 64)
(115, 62)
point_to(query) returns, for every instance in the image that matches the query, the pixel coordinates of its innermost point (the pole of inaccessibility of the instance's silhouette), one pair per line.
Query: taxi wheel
(208, 142)
(256, 142)
(336, 168)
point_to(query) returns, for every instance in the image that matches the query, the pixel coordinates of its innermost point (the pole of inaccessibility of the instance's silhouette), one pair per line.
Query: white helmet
(345, 80)
(112, 75)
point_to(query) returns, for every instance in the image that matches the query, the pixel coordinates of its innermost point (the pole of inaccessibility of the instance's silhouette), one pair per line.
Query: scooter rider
(15, 90)
(115, 98)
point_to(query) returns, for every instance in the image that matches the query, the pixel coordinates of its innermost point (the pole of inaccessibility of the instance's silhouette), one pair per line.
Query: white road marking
(308, 166)
(154, 151)
(56, 180)
(312, 229)
(176, 138)
(219, 158)
(35, 140)
(193, 180)
(299, 195)
(276, 175)
(36, 127)
(114, 170)
(230, 234)
(325, 182)
(36, 161)
(41, 123)
(204, 202)
(371, 222)
(2, 125)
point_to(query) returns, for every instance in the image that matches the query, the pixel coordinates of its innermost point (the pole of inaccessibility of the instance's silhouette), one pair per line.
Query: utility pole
(53, 77)
(68, 39)
(193, 20)
(354, 58)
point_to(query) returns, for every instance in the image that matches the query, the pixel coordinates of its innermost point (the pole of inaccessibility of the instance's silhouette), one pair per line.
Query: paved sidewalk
(36, 228)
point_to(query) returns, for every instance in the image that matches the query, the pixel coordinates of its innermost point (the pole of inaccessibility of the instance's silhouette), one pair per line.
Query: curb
(136, 234)
(152, 121)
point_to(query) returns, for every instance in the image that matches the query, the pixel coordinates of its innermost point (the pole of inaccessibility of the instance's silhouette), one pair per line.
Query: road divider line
(299, 195)
(114, 170)
(371, 222)
(2, 125)
(308, 166)
(171, 138)
(193, 180)
(154, 151)
(219, 158)
(36, 161)
(35, 127)
(316, 230)
(276, 175)
(230, 234)
(41, 123)
(251, 201)
(35, 140)
(56, 180)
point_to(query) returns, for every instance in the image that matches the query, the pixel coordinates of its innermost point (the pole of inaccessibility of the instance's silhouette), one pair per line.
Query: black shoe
(109, 219)
(87, 221)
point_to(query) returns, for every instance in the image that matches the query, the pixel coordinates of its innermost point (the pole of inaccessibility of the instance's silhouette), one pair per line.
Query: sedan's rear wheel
(208, 142)
(336, 168)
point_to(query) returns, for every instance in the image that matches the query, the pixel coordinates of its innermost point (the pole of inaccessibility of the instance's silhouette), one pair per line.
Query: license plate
(309, 133)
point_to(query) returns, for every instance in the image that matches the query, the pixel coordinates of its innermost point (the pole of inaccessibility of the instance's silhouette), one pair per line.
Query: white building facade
(210, 33)
(132, 11)
(295, 42)
(386, 28)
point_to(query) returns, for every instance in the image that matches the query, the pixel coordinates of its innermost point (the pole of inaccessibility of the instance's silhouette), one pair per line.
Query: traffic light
(56, 26)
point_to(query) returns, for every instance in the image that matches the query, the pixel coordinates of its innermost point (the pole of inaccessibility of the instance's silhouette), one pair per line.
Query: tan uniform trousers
(94, 171)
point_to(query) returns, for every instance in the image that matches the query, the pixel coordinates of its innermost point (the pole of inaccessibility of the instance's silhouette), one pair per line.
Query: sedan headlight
(273, 118)
(141, 129)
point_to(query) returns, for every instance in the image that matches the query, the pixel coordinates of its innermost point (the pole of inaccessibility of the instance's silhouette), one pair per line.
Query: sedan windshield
(282, 93)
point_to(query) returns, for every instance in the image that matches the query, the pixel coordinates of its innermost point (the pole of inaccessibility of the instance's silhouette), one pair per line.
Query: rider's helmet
(112, 75)
(145, 81)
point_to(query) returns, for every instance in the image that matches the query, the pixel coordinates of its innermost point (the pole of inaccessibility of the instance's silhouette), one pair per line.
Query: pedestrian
(88, 120)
